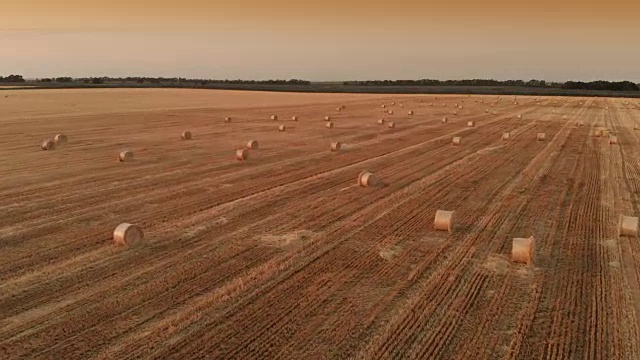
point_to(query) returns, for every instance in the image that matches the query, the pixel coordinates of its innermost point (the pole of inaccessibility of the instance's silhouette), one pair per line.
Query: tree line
(173, 81)
(12, 79)
(576, 85)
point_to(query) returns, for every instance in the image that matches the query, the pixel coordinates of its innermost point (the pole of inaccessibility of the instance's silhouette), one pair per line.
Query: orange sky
(322, 40)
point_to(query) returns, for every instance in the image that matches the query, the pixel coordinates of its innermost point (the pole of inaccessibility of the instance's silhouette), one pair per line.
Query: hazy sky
(322, 40)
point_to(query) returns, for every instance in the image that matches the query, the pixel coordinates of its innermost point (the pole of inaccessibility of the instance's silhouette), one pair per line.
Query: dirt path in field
(283, 256)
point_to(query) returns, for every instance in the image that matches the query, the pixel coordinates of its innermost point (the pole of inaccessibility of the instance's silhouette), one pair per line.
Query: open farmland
(284, 256)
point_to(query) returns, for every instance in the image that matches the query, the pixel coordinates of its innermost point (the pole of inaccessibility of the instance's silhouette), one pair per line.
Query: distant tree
(12, 79)
(64, 79)
(97, 81)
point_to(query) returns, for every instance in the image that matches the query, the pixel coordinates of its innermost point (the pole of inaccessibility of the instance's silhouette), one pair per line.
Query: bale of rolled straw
(227, 119)
(600, 131)
(127, 234)
(125, 156)
(384, 106)
(410, 112)
(444, 120)
(541, 136)
(613, 140)
(444, 105)
(457, 140)
(339, 108)
(486, 111)
(242, 154)
(391, 125)
(522, 250)
(505, 136)
(253, 145)
(186, 135)
(390, 112)
(430, 104)
(401, 105)
(565, 117)
(381, 122)
(455, 105)
(455, 113)
(393, 103)
(460, 107)
(327, 118)
(366, 178)
(282, 127)
(274, 117)
(628, 226)
(519, 116)
(335, 146)
(329, 125)
(60, 139)
(48, 144)
(294, 118)
(443, 220)
(471, 124)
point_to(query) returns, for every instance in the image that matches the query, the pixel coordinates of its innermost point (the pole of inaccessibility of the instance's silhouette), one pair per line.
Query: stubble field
(284, 256)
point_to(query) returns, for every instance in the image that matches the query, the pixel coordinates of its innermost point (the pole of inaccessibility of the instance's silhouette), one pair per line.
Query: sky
(326, 40)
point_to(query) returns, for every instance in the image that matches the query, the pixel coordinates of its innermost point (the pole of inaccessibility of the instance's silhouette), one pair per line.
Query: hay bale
(60, 139)
(486, 111)
(390, 112)
(455, 113)
(393, 103)
(505, 136)
(384, 106)
(327, 118)
(444, 120)
(471, 123)
(430, 104)
(242, 154)
(48, 144)
(366, 178)
(457, 140)
(522, 250)
(391, 125)
(401, 105)
(227, 119)
(443, 220)
(274, 117)
(253, 145)
(613, 140)
(636, 127)
(282, 127)
(519, 116)
(125, 156)
(381, 122)
(600, 131)
(329, 125)
(127, 234)
(410, 112)
(565, 117)
(628, 226)
(460, 107)
(186, 135)
(335, 146)
(444, 105)
(294, 118)
(541, 136)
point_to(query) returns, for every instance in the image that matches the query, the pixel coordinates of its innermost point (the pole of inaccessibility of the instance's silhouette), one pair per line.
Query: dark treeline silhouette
(602, 85)
(12, 79)
(595, 85)
(172, 81)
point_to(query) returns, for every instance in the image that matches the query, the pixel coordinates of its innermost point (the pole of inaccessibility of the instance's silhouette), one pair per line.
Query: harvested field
(284, 256)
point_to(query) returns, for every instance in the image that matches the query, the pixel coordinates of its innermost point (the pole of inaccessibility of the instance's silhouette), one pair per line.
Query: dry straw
(294, 118)
(381, 122)
(48, 144)
(253, 145)
(60, 139)
(186, 135)
(128, 234)
(335, 146)
(443, 220)
(613, 140)
(329, 125)
(125, 156)
(457, 140)
(391, 125)
(242, 154)
(522, 250)
(366, 178)
(444, 120)
(471, 123)
(628, 226)
(227, 119)
(274, 117)
(505, 136)
(541, 136)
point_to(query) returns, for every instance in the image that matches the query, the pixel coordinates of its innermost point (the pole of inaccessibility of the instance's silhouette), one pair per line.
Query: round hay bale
(391, 125)
(455, 105)
(127, 234)
(48, 144)
(393, 103)
(242, 154)
(390, 112)
(294, 118)
(329, 125)
(430, 104)
(580, 123)
(455, 113)
(274, 117)
(253, 145)
(505, 136)
(338, 108)
(384, 106)
(401, 105)
(366, 178)
(613, 140)
(327, 118)
(519, 116)
(186, 135)
(636, 127)
(444, 105)
(282, 127)
(471, 124)
(60, 139)
(628, 226)
(565, 117)
(381, 122)
(541, 136)
(335, 146)
(522, 250)
(457, 140)
(443, 220)
(444, 120)
(486, 111)
(227, 119)
(125, 156)
(460, 107)
(600, 131)
(410, 112)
